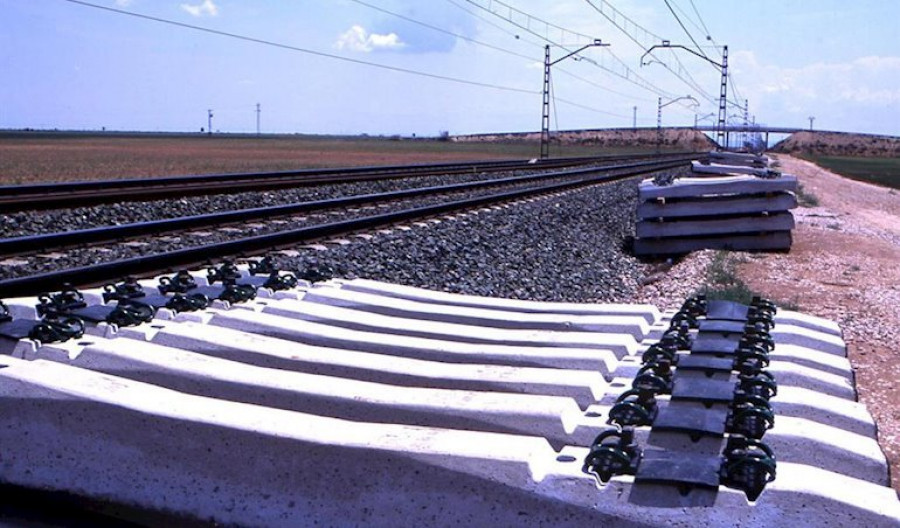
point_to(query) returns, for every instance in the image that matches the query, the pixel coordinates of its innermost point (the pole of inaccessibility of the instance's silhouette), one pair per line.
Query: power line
(687, 16)
(529, 19)
(602, 87)
(702, 23)
(491, 23)
(629, 76)
(444, 31)
(488, 45)
(591, 109)
(688, 33)
(610, 13)
(323, 54)
(304, 50)
(731, 81)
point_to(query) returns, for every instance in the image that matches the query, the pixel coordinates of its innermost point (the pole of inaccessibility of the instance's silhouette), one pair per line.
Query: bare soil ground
(673, 138)
(46, 158)
(844, 266)
(839, 144)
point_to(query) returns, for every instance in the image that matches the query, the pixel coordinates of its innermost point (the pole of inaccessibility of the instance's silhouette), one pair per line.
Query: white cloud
(860, 94)
(358, 39)
(865, 80)
(123, 3)
(205, 8)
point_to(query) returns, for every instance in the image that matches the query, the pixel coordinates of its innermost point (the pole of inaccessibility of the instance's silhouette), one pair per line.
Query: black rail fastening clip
(748, 466)
(613, 452)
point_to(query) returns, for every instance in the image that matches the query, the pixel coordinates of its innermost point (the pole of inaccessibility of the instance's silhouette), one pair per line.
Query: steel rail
(166, 262)
(55, 195)
(61, 240)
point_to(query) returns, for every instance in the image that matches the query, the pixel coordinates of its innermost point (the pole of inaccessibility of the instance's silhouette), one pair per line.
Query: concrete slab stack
(359, 402)
(734, 202)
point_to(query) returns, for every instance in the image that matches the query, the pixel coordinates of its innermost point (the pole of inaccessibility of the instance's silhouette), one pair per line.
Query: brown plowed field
(31, 158)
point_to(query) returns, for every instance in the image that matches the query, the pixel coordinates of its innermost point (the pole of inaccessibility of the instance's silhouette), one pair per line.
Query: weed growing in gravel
(806, 199)
(722, 282)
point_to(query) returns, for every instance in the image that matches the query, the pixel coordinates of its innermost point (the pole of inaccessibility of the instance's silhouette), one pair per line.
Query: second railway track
(132, 262)
(61, 195)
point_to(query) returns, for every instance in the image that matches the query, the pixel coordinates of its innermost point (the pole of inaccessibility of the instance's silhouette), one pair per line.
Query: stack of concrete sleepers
(360, 402)
(733, 202)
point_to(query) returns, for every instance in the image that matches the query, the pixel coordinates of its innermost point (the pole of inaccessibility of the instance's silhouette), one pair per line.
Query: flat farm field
(880, 171)
(39, 158)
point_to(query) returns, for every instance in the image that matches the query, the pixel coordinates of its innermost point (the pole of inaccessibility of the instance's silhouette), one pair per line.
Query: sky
(384, 67)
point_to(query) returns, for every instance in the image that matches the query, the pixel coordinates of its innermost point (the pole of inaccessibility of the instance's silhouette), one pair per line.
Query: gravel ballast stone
(562, 247)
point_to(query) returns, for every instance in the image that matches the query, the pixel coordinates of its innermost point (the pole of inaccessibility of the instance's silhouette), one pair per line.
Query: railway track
(490, 192)
(367, 402)
(55, 195)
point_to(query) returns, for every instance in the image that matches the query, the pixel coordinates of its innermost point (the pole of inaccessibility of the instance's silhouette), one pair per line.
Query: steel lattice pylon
(721, 137)
(545, 117)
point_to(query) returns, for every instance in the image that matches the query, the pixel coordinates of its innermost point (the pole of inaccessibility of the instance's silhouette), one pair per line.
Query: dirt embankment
(839, 144)
(682, 139)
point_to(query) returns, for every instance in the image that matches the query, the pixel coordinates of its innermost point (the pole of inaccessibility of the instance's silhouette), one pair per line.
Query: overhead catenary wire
(580, 38)
(702, 23)
(298, 49)
(686, 32)
(732, 84)
(682, 74)
(444, 31)
(686, 16)
(492, 23)
(629, 75)
(609, 12)
(491, 46)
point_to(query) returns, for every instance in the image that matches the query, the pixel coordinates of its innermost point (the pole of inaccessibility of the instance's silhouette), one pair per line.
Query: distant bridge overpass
(753, 128)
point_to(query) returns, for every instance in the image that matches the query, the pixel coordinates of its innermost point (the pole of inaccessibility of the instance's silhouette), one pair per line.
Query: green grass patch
(880, 171)
(723, 283)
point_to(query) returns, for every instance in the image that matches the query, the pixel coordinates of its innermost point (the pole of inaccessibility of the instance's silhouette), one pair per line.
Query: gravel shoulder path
(844, 266)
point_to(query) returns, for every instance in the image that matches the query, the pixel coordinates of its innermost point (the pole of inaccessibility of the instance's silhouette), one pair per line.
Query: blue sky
(72, 66)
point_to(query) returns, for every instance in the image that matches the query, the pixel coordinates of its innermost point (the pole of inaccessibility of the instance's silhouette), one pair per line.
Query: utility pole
(545, 109)
(257, 119)
(811, 119)
(659, 107)
(545, 113)
(634, 118)
(209, 119)
(745, 134)
(658, 124)
(723, 96)
(721, 134)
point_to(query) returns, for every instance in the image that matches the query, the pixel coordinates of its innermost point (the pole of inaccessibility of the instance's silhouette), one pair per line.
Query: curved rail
(55, 195)
(162, 262)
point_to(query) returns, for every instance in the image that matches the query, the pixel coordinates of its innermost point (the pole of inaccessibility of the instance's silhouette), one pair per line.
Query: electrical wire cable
(689, 81)
(702, 23)
(289, 47)
(493, 24)
(444, 31)
(686, 32)
(629, 76)
(491, 46)
(298, 49)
